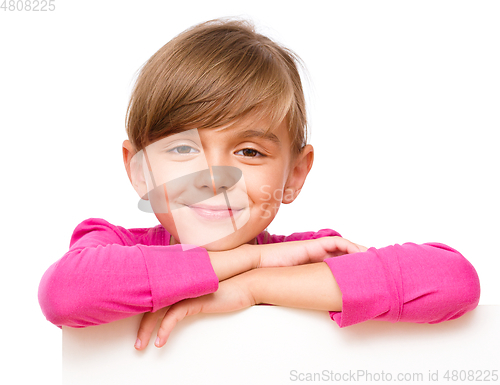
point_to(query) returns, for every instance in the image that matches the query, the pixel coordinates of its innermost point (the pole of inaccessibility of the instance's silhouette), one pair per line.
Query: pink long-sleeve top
(110, 273)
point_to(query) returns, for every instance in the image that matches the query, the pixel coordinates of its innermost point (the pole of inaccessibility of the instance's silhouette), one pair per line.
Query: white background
(404, 107)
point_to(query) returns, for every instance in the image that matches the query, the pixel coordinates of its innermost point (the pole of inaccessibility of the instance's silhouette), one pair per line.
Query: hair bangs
(214, 75)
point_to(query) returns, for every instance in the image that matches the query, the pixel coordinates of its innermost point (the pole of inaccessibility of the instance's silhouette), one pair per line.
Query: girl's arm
(107, 275)
(413, 283)
(97, 285)
(426, 283)
(307, 287)
(111, 273)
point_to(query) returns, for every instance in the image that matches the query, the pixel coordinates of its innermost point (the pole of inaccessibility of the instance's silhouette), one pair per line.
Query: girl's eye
(184, 150)
(250, 153)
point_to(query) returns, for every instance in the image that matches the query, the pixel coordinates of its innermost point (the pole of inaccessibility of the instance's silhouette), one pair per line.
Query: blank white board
(276, 345)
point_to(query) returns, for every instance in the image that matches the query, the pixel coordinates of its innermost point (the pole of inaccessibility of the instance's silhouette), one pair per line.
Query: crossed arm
(290, 274)
(91, 284)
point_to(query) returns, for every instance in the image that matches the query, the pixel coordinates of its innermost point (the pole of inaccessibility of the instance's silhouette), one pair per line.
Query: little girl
(216, 126)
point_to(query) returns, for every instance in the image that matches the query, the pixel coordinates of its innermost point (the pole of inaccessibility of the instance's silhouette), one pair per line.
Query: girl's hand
(147, 326)
(233, 294)
(229, 263)
(304, 252)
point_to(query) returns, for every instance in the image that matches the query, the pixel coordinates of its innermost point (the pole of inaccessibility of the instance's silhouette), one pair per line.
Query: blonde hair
(212, 75)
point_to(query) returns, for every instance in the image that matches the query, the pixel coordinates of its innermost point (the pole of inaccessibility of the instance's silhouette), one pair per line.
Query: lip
(213, 207)
(215, 212)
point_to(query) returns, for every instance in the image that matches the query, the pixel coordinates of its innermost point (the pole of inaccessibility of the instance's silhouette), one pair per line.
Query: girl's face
(220, 188)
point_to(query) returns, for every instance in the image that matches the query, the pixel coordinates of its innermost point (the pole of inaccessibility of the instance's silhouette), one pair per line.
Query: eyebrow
(261, 134)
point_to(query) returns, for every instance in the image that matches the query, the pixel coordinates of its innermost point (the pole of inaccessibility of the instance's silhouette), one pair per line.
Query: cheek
(165, 170)
(167, 222)
(266, 200)
(265, 187)
(175, 189)
(265, 194)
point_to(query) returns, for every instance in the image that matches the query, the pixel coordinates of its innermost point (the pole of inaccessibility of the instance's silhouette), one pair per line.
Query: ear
(134, 164)
(298, 173)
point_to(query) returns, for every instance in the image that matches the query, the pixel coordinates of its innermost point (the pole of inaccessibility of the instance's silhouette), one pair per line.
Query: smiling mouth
(215, 212)
(215, 207)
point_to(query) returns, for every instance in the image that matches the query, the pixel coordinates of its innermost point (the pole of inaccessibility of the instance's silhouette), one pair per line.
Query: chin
(228, 243)
(221, 245)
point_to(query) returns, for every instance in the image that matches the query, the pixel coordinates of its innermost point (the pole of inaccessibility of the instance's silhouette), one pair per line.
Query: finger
(148, 324)
(340, 246)
(344, 246)
(167, 325)
(355, 248)
(350, 247)
(175, 314)
(362, 248)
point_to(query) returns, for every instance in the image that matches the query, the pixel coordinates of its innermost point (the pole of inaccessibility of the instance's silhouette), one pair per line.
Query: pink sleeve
(426, 283)
(105, 276)
(265, 237)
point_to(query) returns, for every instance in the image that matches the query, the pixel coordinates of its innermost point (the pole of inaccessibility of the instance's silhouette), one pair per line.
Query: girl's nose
(224, 178)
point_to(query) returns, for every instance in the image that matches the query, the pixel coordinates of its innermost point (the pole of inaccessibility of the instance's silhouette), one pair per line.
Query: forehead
(255, 129)
(252, 127)
(271, 136)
